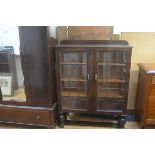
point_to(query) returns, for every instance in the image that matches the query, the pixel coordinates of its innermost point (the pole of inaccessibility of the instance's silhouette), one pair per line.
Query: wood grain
(90, 32)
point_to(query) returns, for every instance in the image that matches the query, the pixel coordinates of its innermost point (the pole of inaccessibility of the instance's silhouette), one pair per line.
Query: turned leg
(65, 116)
(122, 121)
(61, 120)
(143, 126)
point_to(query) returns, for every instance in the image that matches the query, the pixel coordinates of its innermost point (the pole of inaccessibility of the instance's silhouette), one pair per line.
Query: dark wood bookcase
(93, 77)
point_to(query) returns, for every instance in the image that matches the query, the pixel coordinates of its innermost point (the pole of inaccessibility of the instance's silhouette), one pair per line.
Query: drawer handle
(38, 117)
(88, 77)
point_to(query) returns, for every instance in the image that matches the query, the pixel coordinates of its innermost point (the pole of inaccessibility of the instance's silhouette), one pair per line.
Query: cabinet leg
(122, 122)
(61, 120)
(65, 116)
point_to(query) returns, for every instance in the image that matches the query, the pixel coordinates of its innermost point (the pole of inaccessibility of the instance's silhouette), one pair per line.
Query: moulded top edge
(93, 46)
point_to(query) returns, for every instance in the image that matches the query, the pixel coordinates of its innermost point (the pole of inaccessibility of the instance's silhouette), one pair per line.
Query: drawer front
(105, 105)
(153, 80)
(74, 104)
(151, 102)
(27, 116)
(151, 114)
(152, 93)
(150, 121)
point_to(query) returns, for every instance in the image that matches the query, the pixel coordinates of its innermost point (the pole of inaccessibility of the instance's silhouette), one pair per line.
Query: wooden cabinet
(93, 77)
(38, 66)
(145, 106)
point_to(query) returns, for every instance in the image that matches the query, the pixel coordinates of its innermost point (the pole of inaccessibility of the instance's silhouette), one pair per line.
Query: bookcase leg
(61, 120)
(122, 121)
(65, 116)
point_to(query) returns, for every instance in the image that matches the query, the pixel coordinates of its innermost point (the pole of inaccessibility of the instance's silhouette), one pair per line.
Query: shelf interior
(72, 79)
(110, 94)
(110, 80)
(73, 63)
(112, 64)
(73, 94)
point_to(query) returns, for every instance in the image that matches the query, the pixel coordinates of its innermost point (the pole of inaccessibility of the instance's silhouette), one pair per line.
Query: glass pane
(111, 72)
(112, 57)
(115, 71)
(110, 93)
(74, 57)
(73, 72)
(101, 70)
(114, 93)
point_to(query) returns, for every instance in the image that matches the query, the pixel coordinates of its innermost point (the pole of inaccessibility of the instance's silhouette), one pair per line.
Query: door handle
(88, 76)
(95, 76)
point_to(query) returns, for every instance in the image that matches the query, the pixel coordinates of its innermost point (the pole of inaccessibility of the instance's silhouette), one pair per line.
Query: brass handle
(95, 76)
(88, 76)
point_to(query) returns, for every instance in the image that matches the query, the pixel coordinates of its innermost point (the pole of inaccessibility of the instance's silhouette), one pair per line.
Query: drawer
(153, 80)
(74, 104)
(151, 102)
(152, 93)
(28, 116)
(150, 121)
(151, 114)
(105, 105)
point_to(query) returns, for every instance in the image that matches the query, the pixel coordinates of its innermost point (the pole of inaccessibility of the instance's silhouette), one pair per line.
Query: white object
(6, 84)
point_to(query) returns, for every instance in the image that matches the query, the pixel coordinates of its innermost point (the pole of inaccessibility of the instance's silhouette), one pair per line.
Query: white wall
(9, 36)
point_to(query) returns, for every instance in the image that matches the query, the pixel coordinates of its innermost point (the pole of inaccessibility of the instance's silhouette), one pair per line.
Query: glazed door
(73, 79)
(110, 77)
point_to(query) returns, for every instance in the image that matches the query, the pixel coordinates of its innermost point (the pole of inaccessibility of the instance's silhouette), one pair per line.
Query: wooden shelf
(73, 94)
(110, 94)
(72, 79)
(73, 63)
(69, 88)
(112, 64)
(110, 80)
